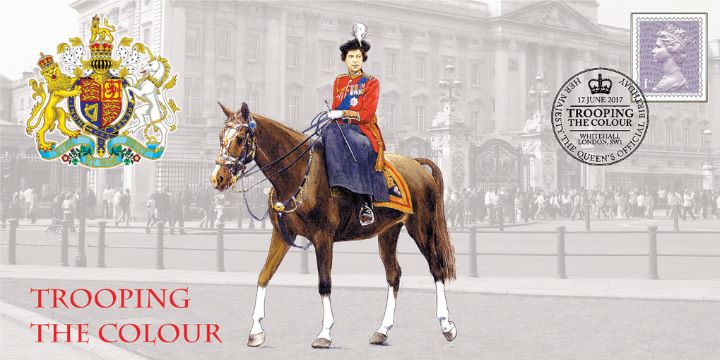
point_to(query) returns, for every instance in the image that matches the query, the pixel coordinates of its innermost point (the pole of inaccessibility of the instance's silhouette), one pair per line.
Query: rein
(319, 123)
(237, 164)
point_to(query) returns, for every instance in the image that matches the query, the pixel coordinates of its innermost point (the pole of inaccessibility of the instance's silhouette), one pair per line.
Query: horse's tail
(442, 248)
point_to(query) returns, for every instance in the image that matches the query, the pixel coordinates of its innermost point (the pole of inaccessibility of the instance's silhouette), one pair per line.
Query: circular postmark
(600, 116)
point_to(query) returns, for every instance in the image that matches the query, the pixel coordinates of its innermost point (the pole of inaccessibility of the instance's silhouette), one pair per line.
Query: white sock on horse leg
(259, 312)
(442, 311)
(389, 318)
(328, 319)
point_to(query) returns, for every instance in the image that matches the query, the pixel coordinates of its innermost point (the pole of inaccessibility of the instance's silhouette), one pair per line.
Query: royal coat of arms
(109, 102)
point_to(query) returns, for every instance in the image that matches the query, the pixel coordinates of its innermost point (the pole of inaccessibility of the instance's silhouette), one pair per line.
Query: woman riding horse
(302, 203)
(354, 147)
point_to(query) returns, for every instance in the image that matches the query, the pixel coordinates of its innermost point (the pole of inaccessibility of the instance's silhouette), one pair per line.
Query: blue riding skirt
(359, 177)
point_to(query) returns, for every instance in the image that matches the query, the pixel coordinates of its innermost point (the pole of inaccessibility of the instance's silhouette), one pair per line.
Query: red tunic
(363, 96)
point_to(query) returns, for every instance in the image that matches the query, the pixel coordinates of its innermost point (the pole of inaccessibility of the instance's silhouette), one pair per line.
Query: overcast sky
(32, 26)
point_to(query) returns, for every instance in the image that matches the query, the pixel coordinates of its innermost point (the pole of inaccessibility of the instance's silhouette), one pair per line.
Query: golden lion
(101, 34)
(58, 86)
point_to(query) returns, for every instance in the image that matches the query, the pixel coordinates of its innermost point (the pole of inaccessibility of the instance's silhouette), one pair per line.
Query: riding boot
(367, 216)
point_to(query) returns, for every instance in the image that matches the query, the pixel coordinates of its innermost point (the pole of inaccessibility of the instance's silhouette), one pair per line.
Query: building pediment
(552, 14)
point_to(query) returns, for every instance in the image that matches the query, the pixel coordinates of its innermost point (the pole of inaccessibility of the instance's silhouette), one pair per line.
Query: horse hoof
(378, 339)
(321, 343)
(451, 334)
(256, 340)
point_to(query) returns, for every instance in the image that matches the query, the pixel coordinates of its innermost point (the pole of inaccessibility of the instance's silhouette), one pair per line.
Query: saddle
(398, 191)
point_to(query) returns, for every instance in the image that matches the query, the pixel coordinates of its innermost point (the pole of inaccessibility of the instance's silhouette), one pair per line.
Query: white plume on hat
(359, 32)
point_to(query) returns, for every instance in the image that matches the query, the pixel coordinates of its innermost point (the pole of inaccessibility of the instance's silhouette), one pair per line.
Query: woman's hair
(675, 47)
(354, 45)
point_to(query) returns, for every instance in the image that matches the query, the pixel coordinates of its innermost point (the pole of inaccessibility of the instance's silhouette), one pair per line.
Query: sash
(345, 103)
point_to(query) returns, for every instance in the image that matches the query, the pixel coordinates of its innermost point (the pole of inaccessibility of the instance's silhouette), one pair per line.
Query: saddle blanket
(398, 191)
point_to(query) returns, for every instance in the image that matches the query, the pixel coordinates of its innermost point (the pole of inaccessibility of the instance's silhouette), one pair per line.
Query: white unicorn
(155, 113)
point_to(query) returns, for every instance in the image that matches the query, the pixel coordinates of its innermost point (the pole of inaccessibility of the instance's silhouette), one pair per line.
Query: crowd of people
(172, 208)
(473, 205)
(463, 208)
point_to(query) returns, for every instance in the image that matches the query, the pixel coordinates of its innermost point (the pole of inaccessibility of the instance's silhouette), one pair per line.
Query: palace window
(253, 47)
(420, 66)
(292, 110)
(225, 93)
(388, 115)
(327, 55)
(475, 73)
(224, 43)
(686, 137)
(669, 135)
(390, 64)
(420, 118)
(293, 53)
(253, 99)
(475, 118)
(192, 99)
(146, 34)
(192, 41)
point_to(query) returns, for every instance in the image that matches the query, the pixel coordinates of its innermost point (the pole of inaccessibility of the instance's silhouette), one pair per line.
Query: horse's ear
(245, 111)
(227, 111)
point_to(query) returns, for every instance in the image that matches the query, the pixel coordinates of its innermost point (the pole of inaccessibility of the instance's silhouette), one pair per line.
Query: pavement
(18, 342)
(682, 290)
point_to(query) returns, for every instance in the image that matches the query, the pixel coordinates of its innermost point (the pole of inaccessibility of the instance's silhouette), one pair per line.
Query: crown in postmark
(600, 85)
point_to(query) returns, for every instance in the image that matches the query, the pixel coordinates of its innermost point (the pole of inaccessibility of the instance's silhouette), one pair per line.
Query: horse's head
(237, 147)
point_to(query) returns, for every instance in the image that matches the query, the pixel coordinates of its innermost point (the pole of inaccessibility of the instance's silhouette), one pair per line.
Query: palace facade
(282, 57)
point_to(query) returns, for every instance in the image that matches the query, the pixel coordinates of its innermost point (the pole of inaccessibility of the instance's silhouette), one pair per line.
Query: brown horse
(325, 217)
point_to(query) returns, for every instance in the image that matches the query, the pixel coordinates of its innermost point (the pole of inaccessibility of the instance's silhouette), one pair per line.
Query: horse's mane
(274, 126)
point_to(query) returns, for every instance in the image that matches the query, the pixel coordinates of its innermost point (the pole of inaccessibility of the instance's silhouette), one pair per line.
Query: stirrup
(367, 216)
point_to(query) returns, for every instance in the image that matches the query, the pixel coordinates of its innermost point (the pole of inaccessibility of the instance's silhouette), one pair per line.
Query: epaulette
(342, 75)
(370, 77)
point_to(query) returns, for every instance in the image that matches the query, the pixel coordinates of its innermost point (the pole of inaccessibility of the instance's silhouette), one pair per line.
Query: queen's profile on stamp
(669, 52)
(669, 56)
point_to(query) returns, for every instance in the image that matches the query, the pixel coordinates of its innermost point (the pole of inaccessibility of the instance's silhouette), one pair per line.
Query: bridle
(237, 165)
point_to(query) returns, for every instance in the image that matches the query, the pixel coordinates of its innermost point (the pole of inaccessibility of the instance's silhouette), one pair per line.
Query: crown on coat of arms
(45, 61)
(600, 85)
(101, 50)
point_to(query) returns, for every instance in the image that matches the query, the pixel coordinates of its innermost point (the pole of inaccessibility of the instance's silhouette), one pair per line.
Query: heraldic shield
(117, 111)
(100, 104)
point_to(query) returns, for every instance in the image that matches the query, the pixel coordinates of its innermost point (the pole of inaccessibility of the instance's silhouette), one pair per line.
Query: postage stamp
(600, 116)
(669, 56)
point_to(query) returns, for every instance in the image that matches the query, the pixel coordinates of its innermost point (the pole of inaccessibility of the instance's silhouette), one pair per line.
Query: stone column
(208, 91)
(313, 104)
(523, 73)
(540, 58)
(434, 65)
(500, 85)
(577, 61)
(272, 61)
(516, 81)
(560, 75)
